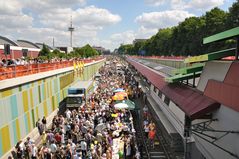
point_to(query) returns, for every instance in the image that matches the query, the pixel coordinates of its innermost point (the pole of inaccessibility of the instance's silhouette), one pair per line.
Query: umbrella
(121, 106)
(131, 104)
(116, 97)
(120, 96)
(119, 90)
(100, 127)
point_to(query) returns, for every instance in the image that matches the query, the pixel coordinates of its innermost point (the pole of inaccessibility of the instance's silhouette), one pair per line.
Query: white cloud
(12, 15)
(41, 20)
(178, 4)
(155, 2)
(90, 16)
(145, 33)
(95, 16)
(127, 37)
(9, 7)
(18, 21)
(124, 37)
(202, 5)
(65, 2)
(156, 20)
(205, 5)
(41, 6)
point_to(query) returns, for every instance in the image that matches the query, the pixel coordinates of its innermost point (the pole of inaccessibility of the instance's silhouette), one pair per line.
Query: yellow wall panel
(18, 130)
(55, 101)
(37, 113)
(6, 139)
(50, 88)
(45, 91)
(45, 109)
(25, 100)
(39, 82)
(61, 95)
(31, 98)
(6, 93)
(66, 80)
(29, 122)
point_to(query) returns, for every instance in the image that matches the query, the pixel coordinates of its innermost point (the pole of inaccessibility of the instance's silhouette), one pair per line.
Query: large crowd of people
(26, 61)
(97, 130)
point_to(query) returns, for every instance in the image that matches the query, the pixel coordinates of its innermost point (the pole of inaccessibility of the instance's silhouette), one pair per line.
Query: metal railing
(9, 72)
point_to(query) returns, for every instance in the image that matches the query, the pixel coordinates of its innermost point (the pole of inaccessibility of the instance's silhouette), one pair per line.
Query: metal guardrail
(161, 137)
(141, 132)
(137, 122)
(161, 57)
(23, 70)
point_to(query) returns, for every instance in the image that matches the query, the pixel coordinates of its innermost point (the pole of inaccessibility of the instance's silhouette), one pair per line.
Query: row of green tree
(83, 52)
(186, 38)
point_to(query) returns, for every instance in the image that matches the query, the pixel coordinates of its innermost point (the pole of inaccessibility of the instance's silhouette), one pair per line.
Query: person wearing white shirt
(53, 147)
(34, 151)
(83, 145)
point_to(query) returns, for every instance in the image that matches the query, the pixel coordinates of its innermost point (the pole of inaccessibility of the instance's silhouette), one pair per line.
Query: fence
(23, 70)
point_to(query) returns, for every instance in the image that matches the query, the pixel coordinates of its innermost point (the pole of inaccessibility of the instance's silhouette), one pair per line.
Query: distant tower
(71, 29)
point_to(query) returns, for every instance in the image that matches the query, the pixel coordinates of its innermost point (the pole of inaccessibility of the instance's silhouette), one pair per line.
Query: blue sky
(106, 23)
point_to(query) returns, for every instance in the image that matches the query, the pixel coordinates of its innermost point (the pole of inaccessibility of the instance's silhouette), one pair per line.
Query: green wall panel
(14, 108)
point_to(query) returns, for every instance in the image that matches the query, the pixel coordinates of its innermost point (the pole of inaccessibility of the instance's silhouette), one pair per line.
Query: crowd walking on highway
(97, 130)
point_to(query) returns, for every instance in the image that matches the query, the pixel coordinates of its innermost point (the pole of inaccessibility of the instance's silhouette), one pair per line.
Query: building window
(166, 100)
(160, 94)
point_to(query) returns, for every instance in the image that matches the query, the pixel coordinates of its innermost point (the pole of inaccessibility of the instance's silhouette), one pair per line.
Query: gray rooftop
(28, 44)
(5, 40)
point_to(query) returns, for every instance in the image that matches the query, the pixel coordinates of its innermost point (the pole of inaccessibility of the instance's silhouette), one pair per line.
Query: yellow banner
(196, 59)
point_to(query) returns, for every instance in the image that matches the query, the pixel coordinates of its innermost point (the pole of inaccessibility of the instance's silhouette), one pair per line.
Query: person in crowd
(44, 138)
(152, 133)
(44, 123)
(34, 151)
(145, 111)
(83, 146)
(40, 127)
(146, 130)
(151, 125)
(96, 130)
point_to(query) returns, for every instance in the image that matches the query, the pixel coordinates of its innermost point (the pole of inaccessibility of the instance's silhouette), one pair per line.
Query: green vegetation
(44, 51)
(83, 52)
(186, 38)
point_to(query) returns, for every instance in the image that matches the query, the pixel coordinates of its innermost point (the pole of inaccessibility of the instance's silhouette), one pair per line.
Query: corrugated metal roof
(189, 100)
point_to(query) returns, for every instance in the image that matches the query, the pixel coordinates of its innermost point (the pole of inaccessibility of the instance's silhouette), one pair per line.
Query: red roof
(191, 101)
(156, 79)
(226, 92)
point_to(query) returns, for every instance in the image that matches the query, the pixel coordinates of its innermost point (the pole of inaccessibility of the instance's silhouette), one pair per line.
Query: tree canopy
(85, 51)
(44, 51)
(186, 38)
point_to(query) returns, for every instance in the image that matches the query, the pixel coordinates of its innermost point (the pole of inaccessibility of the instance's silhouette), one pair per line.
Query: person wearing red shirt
(152, 134)
(58, 138)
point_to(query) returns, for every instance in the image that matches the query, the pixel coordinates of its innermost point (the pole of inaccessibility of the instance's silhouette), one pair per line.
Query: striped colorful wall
(21, 106)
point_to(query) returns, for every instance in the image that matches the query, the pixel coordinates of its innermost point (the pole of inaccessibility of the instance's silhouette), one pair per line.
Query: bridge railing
(23, 70)
(162, 57)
